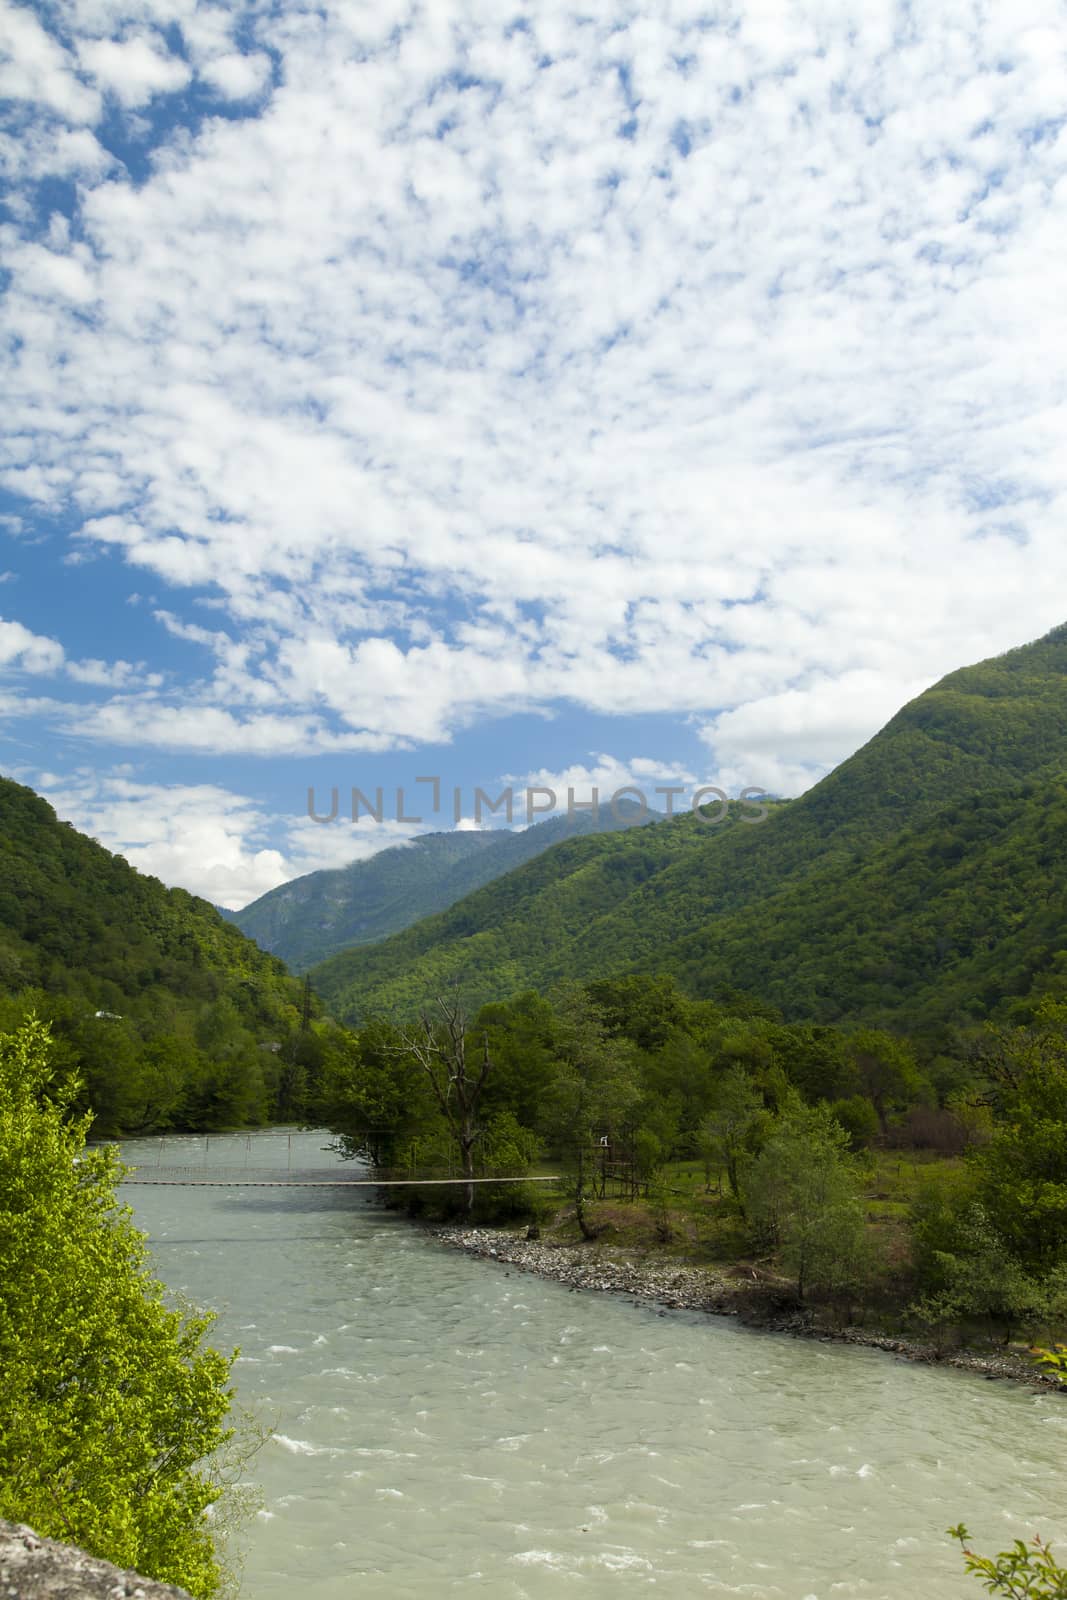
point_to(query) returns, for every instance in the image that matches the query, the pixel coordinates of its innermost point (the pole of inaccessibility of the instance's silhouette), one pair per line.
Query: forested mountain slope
(160, 1006)
(310, 918)
(753, 905)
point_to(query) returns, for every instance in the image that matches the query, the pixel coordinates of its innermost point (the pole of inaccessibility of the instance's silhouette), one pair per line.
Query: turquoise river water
(446, 1426)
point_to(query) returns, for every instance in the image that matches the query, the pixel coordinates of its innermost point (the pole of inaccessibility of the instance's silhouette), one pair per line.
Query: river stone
(32, 1568)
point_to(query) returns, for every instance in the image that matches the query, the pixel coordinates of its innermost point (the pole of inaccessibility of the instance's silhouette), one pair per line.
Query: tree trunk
(466, 1144)
(579, 1199)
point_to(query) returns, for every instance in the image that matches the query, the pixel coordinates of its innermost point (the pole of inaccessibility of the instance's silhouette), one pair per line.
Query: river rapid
(446, 1426)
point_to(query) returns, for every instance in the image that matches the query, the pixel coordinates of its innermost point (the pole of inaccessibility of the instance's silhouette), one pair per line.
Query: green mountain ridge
(311, 917)
(159, 1005)
(769, 907)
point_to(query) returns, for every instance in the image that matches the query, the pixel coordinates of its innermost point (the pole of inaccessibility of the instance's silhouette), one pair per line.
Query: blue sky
(570, 395)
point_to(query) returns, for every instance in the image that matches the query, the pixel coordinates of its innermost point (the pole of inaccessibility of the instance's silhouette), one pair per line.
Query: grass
(692, 1219)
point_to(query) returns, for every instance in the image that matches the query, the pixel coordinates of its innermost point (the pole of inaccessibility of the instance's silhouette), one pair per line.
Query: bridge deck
(280, 1178)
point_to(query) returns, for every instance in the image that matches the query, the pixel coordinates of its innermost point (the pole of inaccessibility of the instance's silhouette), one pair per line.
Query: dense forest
(918, 886)
(869, 1174)
(165, 1012)
(313, 917)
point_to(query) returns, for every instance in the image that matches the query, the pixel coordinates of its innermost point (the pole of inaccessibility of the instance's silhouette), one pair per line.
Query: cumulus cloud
(788, 741)
(208, 839)
(603, 776)
(37, 69)
(29, 652)
(134, 69)
(34, 654)
(237, 77)
(734, 397)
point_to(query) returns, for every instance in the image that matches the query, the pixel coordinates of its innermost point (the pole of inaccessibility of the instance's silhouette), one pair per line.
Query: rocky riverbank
(672, 1286)
(33, 1568)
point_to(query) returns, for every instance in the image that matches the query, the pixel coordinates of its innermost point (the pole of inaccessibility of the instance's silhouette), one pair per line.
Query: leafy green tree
(595, 1091)
(731, 1129)
(110, 1403)
(886, 1072)
(802, 1195)
(1022, 1170)
(646, 1010)
(679, 1078)
(376, 1097)
(521, 1038)
(858, 1118)
(980, 1278)
(814, 1058)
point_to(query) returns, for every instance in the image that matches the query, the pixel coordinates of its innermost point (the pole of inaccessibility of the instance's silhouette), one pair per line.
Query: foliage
(859, 1119)
(166, 1014)
(594, 1092)
(922, 879)
(313, 917)
(110, 1402)
(457, 1069)
(1022, 1170)
(733, 1126)
(1024, 1570)
(375, 1096)
(1054, 1360)
(802, 1196)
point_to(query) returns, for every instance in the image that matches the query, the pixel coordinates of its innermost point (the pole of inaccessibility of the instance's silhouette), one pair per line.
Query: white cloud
(583, 784)
(26, 651)
(35, 68)
(145, 720)
(238, 77)
(786, 742)
(458, 403)
(23, 651)
(134, 69)
(205, 838)
(112, 674)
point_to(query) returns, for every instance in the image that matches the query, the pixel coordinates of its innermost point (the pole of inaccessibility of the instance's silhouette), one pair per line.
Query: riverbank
(672, 1286)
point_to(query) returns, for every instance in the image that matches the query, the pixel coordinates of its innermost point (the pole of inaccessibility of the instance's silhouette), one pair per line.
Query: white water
(446, 1426)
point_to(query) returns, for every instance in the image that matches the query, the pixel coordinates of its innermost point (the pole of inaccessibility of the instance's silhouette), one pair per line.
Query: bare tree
(439, 1045)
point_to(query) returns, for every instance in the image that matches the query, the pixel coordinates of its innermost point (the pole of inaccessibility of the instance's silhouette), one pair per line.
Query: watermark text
(708, 803)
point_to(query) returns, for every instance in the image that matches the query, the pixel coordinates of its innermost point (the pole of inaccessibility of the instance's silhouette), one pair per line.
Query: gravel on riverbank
(673, 1286)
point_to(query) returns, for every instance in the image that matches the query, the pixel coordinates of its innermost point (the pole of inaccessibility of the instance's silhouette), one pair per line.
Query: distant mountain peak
(311, 917)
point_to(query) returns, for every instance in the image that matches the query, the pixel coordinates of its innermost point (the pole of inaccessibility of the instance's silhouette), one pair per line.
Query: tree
(802, 1195)
(646, 1010)
(439, 1045)
(595, 1091)
(886, 1071)
(375, 1095)
(979, 1277)
(729, 1130)
(110, 1402)
(1022, 1171)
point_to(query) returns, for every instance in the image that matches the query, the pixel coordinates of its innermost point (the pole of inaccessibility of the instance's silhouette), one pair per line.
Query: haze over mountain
(312, 917)
(921, 880)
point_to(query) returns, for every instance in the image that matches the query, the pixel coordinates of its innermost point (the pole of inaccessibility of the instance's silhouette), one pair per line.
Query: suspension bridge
(212, 1169)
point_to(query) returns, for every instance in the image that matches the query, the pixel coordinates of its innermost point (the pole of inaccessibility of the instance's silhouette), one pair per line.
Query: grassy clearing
(690, 1215)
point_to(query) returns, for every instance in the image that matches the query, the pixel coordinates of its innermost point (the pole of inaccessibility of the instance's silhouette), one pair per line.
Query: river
(445, 1426)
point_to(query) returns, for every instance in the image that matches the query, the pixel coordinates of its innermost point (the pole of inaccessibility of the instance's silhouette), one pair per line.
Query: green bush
(110, 1402)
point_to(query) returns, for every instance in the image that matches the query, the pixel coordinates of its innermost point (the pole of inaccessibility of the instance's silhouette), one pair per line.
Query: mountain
(158, 1005)
(310, 918)
(918, 880)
